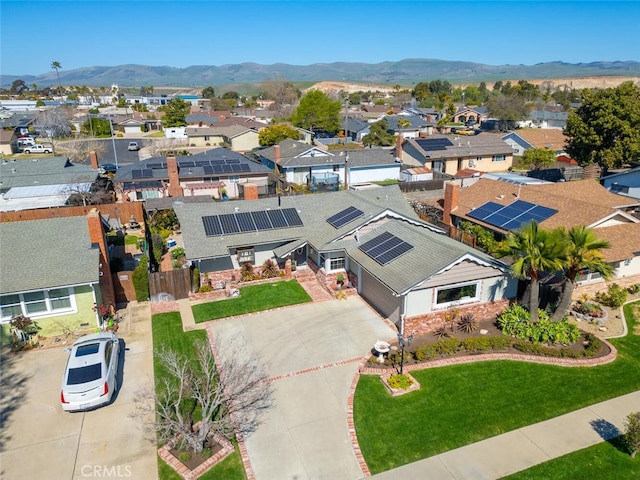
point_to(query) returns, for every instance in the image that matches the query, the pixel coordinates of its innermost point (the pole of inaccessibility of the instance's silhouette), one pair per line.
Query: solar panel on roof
(232, 160)
(434, 143)
(385, 248)
(235, 168)
(292, 217)
(208, 169)
(136, 174)
(512, 216)
(217, 169)
(226, 169)
(212, 225)
(147, 173)
(245, 168)
(229, 224)
(202, 163)
(187, 163)
(347, 215)
(155, 165)
(261, 220)
(245, 222)
(216, 162)
(277, 218)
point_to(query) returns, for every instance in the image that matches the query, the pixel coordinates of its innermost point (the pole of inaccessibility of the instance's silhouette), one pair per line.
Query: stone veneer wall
(423, 324)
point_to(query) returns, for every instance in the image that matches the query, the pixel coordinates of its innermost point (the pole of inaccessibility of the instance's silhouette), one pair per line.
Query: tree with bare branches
(229, 392)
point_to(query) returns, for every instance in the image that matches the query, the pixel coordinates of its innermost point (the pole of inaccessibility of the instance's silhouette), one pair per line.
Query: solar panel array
(244, 222)
(513, 216)
(385, 248)
(430, 144)
(220, 169)
(340, 219)
(210, 167)
(144, 173)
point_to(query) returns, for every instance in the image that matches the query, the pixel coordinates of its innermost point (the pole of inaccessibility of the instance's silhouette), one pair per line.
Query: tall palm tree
(583, 252)
(56, 66)
(533, 251)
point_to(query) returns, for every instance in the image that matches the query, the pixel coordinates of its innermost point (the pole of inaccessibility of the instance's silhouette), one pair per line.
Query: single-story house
(625, 183)
(416, 174)
(451, 153)
(302, 163)
(525, 138)
(239, 138)
(409, 270)
(54, 271)
(470, 114)
(8, 142)
(503, 207)
(217, 173)
(131, 125)
(409, 126)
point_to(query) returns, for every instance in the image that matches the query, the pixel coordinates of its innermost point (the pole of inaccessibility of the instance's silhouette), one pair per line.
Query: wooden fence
(121, 211)
(169, 286)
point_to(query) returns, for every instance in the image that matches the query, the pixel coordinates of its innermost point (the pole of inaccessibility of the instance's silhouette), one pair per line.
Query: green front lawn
(463, 404)
(253, 298)
(168, 334)
(604, 461)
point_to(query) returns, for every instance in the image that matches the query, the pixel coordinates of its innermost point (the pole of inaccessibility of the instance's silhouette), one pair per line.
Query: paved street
(39, 440)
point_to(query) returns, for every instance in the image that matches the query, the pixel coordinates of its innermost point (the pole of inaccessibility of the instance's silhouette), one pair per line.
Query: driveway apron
(311, 353)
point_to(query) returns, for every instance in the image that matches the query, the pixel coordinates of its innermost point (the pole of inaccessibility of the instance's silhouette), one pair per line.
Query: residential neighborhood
(312, 283)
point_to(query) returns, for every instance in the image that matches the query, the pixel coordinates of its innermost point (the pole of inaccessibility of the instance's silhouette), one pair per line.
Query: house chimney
(276, 152)
(97, 237)
(399, 142)
(93, 157)
(451, 191)
(175, 189)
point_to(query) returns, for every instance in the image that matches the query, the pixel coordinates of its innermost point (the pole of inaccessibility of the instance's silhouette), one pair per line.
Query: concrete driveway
(312, 354)
(39, 440)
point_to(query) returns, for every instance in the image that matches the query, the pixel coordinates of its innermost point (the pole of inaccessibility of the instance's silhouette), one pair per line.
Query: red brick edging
(183, 470)
(364, 369)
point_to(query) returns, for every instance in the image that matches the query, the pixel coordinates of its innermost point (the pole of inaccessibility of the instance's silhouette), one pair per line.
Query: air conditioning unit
(472, 163)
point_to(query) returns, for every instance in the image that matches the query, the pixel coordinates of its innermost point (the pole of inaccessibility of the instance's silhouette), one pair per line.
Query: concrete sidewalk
(520, 449)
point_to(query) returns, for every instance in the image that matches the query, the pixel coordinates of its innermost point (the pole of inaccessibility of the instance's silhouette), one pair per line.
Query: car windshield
(90, 349)
(86, 374)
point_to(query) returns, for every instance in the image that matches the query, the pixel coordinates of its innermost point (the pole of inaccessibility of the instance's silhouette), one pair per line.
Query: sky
(177, 33)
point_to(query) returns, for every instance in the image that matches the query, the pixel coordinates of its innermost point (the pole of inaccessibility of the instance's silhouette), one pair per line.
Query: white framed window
(234, 178)
(457, 294)
(498, 158)
(37, 303)
(586, 275)
(336, 263)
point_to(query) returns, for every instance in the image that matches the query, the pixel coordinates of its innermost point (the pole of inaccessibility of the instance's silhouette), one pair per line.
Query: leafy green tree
(507, 108)
(355, 98)
(632, 433)
(378, 135)
(537, 158)
(230, 95)
(208, 92)
(533, 251)
(175, 113)
(440, 87)
(421, 91)
(17, 87)
(316, 111)
(605, 128)
(276, 133)
(98, 127)
(583, 251)
(527, 90)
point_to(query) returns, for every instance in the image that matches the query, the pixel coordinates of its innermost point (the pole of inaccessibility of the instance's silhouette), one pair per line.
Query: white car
(133, 146)
(89, 378)
(37, 148)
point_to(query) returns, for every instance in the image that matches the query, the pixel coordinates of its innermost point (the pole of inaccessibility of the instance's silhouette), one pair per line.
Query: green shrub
(140, 277)
(157, 244)
(515, 321)
(400, 381)
(269, 269)
(594, 345)
(196, 280)
(476, 344)
(499, 343)
(246, 272)
(426, 352)
(635, 288)
(205, 289)
(448, 347)
(615, 296)
(177, 253)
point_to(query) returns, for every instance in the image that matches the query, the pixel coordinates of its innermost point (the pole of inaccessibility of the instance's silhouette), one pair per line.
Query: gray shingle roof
(463, 146)
(44, 171)
(40, 254)
(385, 209)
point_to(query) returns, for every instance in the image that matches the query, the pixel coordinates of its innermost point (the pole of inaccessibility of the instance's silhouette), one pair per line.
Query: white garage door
(380, 297)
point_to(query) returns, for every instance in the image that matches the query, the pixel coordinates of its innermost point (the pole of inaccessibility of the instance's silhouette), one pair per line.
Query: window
(588, 276)
(478, 159)
(336, 263)
(498, 158)
(234, 178)
(36, 304)
(464, 293)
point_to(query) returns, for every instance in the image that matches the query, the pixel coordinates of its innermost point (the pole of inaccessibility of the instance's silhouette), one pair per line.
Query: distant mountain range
(404, 72)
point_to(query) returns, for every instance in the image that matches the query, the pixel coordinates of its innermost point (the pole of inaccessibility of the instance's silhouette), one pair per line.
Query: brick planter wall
(428, 323)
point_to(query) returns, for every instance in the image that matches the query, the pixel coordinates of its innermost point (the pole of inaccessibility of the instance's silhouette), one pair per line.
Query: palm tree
(533, 251)
(56, 66)
(583, 252)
